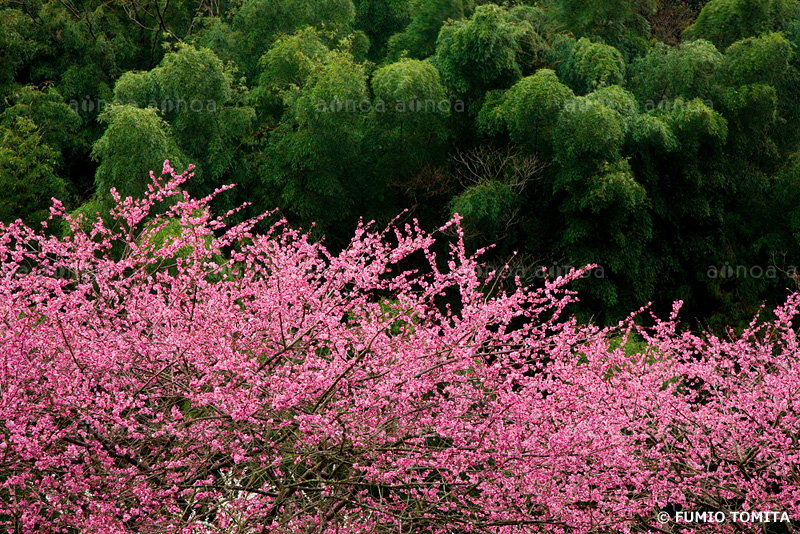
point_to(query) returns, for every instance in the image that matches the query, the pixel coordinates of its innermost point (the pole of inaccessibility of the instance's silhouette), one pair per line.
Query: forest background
(656, 139)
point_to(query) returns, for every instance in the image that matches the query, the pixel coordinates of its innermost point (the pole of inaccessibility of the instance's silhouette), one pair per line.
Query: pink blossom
(288, 389)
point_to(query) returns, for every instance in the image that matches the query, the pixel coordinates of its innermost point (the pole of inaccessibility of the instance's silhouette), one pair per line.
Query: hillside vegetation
(656, 139)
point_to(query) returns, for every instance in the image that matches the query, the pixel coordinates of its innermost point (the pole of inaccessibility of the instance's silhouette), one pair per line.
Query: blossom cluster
(222, 380)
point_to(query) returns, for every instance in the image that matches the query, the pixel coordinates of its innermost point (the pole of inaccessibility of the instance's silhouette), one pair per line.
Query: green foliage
(406, 80)
(283, 68)
(650, 134)
(135, 142)
(196, 95)
(190, 74)
(766, 59)
(201, 109)
(591, 65)
(338, 85)
(670, 157)
(57, 124)
(621, 23)
(535, 16)
(600, 197)
(137, 88)
(487, 208)
(414, 98)
(217, 34)
(418, 40)
(312, 159)
(588, 129)
(696, 125)
(27, 173)
(379, 20)
(724, 22)
(615, 97)
(528, 110)
(788, 199)
(292, 59)
(407, 130)
(615, 187)
(532, 29)
(667, 72)
(257, 23)
(88, 212)
(679, 156)
(752, 113)
(16, 47)
(479, 54)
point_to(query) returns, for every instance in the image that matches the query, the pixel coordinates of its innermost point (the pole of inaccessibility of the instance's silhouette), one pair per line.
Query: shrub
(301, 391)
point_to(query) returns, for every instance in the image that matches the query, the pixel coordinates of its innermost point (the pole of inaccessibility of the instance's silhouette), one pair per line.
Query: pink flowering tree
(166, 373)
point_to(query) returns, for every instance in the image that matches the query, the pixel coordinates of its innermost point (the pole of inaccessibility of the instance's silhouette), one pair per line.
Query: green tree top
(135, 142)
(27, 173)
(479, 54)
(724, 22)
